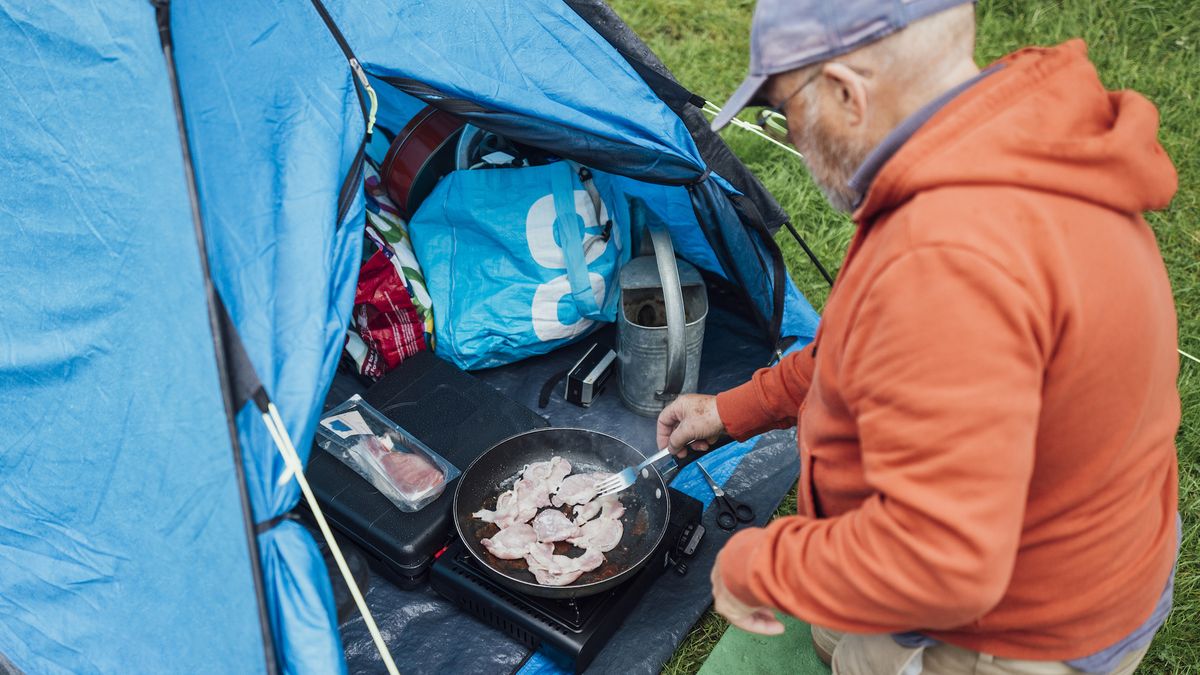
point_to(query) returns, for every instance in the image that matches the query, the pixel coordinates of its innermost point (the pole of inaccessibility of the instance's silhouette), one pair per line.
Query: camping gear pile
(225, 162)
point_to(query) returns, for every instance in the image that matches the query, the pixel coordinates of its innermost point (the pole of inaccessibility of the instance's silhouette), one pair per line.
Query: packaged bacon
(401, 467)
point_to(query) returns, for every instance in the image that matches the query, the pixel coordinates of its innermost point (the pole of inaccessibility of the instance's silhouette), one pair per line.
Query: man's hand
(758, 620)
(690, 419)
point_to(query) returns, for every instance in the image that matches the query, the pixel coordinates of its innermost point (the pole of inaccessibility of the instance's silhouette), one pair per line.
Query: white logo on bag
(546, 324)
(539, 230)
(546, 251)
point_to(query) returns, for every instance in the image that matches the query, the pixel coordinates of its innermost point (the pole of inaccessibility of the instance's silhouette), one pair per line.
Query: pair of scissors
(730, 512)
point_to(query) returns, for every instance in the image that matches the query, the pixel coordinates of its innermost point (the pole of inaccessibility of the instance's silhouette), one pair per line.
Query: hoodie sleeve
(943, 373)
(770, 400)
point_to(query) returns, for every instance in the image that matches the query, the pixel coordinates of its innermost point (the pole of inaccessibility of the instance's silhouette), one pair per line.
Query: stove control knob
(689, 541)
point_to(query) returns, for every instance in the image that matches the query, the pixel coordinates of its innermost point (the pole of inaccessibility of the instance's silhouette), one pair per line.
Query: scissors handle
(731, 512)
(744, 513)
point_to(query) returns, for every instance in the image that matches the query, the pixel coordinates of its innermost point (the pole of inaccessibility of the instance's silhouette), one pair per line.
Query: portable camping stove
(571, 632)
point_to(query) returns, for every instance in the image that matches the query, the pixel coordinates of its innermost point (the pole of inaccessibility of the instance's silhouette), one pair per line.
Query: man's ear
(849, 91)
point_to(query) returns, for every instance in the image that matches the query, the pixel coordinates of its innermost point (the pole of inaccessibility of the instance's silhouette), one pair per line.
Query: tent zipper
(777, 285)
(351, 184)
(366, 93)
(778, 273)
(367, 101)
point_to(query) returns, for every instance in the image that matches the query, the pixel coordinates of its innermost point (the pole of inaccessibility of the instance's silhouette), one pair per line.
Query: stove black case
(570, 632)
(456, 415)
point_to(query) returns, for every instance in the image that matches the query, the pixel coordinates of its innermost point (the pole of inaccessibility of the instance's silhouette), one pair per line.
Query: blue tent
(139, 498)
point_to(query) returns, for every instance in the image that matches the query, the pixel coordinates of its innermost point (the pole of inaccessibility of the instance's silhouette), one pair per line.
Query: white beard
(831, 161)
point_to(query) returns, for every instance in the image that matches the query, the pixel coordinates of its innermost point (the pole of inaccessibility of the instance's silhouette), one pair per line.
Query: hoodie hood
(1043, 122)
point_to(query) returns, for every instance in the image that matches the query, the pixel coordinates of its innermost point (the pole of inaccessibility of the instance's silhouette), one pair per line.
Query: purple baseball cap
(790, 34)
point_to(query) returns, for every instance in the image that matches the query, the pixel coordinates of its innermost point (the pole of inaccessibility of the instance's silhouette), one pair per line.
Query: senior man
(986, 417)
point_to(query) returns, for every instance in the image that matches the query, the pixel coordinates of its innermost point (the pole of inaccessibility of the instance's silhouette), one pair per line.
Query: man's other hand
(760, 620)
(691, 419)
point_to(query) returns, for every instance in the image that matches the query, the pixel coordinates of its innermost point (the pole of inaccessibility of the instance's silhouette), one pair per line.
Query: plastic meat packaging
(403, 468)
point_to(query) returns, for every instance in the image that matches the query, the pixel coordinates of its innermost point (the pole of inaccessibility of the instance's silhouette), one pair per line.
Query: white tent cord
(1188, 355)
(284, 443)
(712, 109)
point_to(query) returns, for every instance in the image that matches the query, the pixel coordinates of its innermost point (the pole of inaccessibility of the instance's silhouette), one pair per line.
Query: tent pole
(163, 17)
(809, 252)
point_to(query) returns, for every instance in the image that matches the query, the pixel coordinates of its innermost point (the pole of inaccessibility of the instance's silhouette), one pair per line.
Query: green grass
(1152, 46)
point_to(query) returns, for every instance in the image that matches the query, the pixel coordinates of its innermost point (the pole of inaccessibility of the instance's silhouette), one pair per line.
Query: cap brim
(745, 95)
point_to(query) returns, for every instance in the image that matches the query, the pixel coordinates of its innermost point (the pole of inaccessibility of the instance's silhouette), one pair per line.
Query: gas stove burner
(572, 632)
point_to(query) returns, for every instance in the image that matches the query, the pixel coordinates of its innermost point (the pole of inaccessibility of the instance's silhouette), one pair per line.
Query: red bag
(385, 318)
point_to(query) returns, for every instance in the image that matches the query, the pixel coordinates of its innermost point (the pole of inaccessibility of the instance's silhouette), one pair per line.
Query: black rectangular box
(586, 379)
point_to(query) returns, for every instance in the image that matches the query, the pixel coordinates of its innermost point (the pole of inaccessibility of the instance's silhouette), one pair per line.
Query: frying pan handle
(671, 469)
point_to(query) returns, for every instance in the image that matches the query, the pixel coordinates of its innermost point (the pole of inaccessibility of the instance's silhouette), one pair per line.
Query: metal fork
(627, 476)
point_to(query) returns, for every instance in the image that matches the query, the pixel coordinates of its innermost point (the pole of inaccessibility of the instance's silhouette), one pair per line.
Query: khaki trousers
(851, 654)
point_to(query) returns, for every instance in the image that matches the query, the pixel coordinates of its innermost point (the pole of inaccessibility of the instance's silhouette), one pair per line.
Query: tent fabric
(745, 255)
(121, 528)
(527, 60)
(800, 320)
(270, 154)
(672, 206)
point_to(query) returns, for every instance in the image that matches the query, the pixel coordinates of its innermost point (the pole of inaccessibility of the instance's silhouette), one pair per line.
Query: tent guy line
(712, 110)
(283, 443)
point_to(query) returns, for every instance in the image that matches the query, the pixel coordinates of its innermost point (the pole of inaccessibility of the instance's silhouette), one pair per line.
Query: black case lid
(456, 415)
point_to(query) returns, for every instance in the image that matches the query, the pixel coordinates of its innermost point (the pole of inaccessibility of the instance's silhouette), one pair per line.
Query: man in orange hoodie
(986, 418)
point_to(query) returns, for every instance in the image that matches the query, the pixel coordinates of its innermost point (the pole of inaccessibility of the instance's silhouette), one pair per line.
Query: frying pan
(646, 507)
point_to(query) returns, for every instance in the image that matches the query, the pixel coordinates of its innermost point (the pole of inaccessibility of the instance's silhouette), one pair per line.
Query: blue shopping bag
(520, 261)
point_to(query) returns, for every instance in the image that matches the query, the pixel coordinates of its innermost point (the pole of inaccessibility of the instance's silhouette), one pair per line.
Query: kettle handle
(668, 273)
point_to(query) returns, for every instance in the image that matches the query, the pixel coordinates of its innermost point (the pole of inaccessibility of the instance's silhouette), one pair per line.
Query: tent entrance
(415, 144)
(736, 342)
(735, 345)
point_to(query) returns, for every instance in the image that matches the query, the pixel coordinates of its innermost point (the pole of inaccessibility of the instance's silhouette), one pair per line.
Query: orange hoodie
(987, 415)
